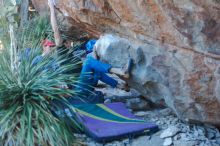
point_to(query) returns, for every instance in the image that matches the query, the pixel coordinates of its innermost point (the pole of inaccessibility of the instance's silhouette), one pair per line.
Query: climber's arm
(57, 35)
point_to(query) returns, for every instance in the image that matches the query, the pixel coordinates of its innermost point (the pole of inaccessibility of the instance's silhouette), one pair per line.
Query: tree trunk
(24, 12)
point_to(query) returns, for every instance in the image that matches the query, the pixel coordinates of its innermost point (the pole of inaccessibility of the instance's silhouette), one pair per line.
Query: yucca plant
(28, 90)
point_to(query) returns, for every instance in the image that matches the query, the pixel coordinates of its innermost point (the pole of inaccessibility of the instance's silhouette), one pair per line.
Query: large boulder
(188, 24)
(175, 45)
(187, 81)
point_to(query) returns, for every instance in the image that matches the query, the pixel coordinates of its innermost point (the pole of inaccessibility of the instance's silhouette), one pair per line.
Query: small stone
(167, 142)
(92, 144)
(159, 123)
(174, 121)
(126, 141)
(149, 137)
(176, 137)
(202, 144)
(208, 143)
(217, 134)
(185, 143)
(137, 104)
(218, 140)
(215, 144)
(200, 129)
(165, 126)
(140, 114)
(166, 112)
(116, 143)
(196, 133)
(184, 136)
(210, 135)
(169, 132)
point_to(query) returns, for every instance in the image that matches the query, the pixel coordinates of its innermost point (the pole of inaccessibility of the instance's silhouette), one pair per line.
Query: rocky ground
(173, 132)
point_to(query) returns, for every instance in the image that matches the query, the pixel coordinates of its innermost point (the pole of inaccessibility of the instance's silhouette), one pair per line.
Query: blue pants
(93, 71)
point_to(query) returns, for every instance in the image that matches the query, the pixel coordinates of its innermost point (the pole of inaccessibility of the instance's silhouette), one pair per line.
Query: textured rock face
(175, 45)
(192, 24)
(186, 80)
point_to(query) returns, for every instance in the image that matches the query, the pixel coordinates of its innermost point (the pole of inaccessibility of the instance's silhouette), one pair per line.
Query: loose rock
(184, 143)
(171, 131)
(140, 114)
(167, 142)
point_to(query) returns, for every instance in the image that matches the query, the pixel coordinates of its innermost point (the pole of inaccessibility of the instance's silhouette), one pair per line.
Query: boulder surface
(175, 46)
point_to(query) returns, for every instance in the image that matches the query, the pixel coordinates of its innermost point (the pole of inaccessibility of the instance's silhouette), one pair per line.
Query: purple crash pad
(102, 130)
